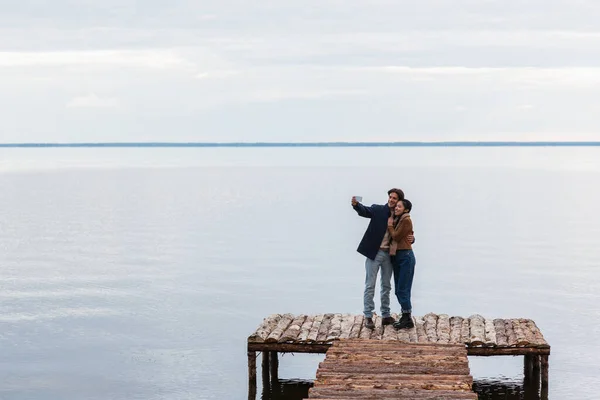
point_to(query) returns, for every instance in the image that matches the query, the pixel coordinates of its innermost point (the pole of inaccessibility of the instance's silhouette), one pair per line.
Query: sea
(138, 273)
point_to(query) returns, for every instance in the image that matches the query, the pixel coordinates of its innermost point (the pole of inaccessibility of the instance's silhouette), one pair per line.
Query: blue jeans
(372, 268)
(404, 271)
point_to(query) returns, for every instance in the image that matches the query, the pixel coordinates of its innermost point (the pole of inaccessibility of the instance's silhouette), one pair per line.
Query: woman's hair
(407, 205)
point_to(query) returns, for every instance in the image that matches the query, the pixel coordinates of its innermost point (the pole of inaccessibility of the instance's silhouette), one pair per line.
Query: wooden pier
(287, 333)
(365, 368)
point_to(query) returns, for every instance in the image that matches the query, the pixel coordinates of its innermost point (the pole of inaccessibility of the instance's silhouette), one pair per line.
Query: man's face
(393, 200)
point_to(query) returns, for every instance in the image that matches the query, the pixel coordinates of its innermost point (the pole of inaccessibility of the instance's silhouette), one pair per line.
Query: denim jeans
(404, 271)
(372, 268)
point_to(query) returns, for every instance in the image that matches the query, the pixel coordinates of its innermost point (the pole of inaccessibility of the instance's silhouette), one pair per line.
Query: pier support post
(544, 370)
(266, 373)
(274, 368)
(528, 361)
(251, 375)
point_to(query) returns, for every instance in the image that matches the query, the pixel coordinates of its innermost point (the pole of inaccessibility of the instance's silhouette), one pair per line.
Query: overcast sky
(290, 70)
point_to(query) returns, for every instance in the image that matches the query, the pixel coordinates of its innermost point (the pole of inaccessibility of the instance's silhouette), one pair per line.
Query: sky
(310, 70)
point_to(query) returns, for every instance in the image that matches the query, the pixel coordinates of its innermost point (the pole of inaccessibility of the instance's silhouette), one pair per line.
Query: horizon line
(311, 144)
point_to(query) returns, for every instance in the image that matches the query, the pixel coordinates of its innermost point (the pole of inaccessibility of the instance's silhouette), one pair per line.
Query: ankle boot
(405, 322)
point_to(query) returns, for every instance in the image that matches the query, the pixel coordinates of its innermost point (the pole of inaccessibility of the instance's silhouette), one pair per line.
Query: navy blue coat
(371, 241)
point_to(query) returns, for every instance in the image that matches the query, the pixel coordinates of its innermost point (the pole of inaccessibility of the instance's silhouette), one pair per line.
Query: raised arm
(361, 209)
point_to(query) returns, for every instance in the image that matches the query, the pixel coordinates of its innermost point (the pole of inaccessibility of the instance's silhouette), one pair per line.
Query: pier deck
(377, 369)
(287, 333)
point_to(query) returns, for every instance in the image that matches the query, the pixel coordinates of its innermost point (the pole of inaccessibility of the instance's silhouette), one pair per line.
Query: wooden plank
(314, 329)
(537, 334)
(490, 333)
(443, 329)
(402, 335)
(412, 332)
(335, 329)
(292, 331)
(519, 333)
(346, 325)
(317, 393)
(465, 331)
(420, 328)
(378, 331)
(357, 327)
(455, 328)
(477, 330)
(324, 328)
(511, 338)
(365, 333)
(265, 328)
(389, 333)
(282, 325)
(290, 347)
(394, 377)
(431, 327)
(506, 351)
(305, 328)
(500, 333)
(378, 369)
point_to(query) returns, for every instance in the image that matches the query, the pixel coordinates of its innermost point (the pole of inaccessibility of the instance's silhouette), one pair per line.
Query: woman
(403, 259)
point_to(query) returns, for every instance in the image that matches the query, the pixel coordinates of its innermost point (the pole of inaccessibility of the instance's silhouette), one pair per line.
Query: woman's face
(399, 210)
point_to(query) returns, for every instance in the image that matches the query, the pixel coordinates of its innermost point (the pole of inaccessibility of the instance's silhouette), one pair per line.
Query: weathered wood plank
(346, 325)
(335, 329)
(317, 393)
(282, 325)
(292, 331)
(443, 329)
(412, 332)
(389, 333)
(265, 328)
(402, 335)
(314, 329)
(394, 377)
(431, 327)
(465, 331)
(477, 330)
(305, 328)
(357, 327)
(378, 331)
(537, 334)
(365, 333)
(455, 328)
(324, 328)
(519, 333)
(420, 327)
(500, 333)
(376, 369)
(511, 338)
(490, 333)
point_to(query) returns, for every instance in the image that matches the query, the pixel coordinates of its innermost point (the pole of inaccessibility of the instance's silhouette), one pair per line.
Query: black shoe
(387, 321)
(369, 324)
(405, 322)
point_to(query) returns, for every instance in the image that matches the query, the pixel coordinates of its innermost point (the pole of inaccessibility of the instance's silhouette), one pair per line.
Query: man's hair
(407, 204)
(399, 192)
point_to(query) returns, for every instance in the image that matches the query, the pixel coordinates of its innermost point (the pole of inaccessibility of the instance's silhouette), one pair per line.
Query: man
(375, 246)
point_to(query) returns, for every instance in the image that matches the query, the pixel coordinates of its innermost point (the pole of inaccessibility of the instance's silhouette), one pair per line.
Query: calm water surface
(139, 273)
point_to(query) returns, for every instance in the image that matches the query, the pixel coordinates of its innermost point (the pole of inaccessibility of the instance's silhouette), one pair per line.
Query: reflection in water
(488, 389)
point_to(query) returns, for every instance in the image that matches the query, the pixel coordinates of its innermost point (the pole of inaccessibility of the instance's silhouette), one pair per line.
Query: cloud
(91, 100)
(233, 69)
(216, 74)
(158, 59)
